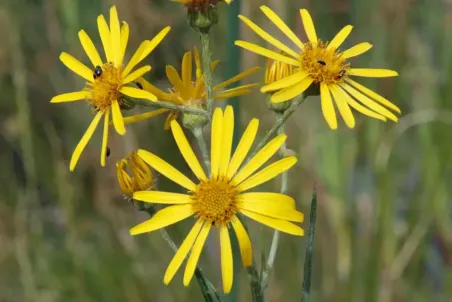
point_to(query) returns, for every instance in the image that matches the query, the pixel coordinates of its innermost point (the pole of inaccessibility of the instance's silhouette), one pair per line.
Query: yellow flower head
(217, 198)
(188, 91)
(109, 79)
(323, 64)
(141, 176)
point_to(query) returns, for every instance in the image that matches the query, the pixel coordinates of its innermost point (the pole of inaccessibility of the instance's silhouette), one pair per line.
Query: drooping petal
(372, 72)
(267, 37)
(89, 48)
(84, 141)
(216, 142)
(356, 50)
(103, 150)
(166, 169)
(182, 252)
(340, 37)
(227, 269)
(105, 37)
(69, 97)
(259, 159)
(243, 147)
(195, 253)
(115, 35)
(285, 82)
(343, 107)
(230, 93)
(281, 26)
(187, 151)
(268, 173)
(277, 224)
(271, 209)
(244, 242)
(161, 197)
(138, 93)
(308, 26)
(124, 41)
(165, 217)
(283, 200)
(144, 116)
(227, 137)
(360, 108)
(76, 66)
(291, 91)
(136, 74)
(267, 53)
(118, 123)
(327, 106)
(236, 78)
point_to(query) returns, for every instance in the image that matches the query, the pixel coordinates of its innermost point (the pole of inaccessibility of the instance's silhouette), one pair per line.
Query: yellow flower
(217, 199)
(141, 178)
(108, 80)
(190, 93)
(325, 65)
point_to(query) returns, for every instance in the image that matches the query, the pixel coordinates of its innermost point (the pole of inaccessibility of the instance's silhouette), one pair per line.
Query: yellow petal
(281, 25)
(267, 53)
(138, 93)
(327, 106)
(115, 36)
(227, 137)
(268, 173)
(124, 40)
(69, 97)
(277, 224)
(291, 91)
(243, 147)
(343, 107)
(370, 103)
(165, 217)
(356, 50)
(360, 108)
(283, 200)
(161, 197)
(242, 87)
(154, 42)
(84, 141)
(161, 95)
(227, 269)
(176, 81)
(267, 37)
(244, 242)
(293, 79)
(216, 144)
(135, 58)
(308, 26)
(103, 151)
(105, 37)
(271, 209)
(223, 95)
(182, 252)
(260, 158)
(77, 66)
(187, 151)
(118, 123)
(144, 116)
(373, 73)
(136, 74)
(187, 69)
(340, 37)
(89, 48)
(236, 78)
(374, 95)
(166, 169)
(195, 253)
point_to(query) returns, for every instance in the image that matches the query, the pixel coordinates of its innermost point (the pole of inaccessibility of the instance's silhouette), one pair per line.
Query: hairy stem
(207, 71)
(202, 146)
(170, 106)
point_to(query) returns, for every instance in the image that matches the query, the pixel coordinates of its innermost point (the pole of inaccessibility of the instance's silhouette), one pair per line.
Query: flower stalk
(206, 55)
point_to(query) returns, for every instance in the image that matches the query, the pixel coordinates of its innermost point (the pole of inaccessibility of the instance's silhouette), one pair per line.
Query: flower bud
(276, 71)
(140, 177)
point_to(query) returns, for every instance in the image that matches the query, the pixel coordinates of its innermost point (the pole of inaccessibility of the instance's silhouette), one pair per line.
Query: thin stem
(202, 146)
(207, 71)
(161, 104)
(287, 113)
(309, 248)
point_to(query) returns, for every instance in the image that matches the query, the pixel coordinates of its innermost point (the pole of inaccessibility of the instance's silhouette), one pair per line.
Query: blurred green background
(384, 215)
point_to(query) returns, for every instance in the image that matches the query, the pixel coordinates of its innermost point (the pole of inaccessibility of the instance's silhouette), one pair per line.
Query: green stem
(309, 249)
(170, 106)
(202, 146)
(207, 71)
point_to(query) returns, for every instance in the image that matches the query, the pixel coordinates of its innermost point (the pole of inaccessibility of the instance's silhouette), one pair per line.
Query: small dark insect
(97, 72)
(321, 62)
(107, 153)
(341, 74)
(139, 85)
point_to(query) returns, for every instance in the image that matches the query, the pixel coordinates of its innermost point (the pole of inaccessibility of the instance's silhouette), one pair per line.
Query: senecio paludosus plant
(222, 195)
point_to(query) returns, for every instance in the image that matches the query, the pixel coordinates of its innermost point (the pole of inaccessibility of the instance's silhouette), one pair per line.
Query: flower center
(323, 64)
(105, 88)
(215, 201)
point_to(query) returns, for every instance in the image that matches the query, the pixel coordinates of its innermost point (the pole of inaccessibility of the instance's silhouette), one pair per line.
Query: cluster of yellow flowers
(221, 190)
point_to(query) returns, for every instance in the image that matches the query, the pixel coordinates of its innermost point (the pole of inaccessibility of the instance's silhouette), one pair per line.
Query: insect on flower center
(323, 64)
(215, 201)
(105, 88)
